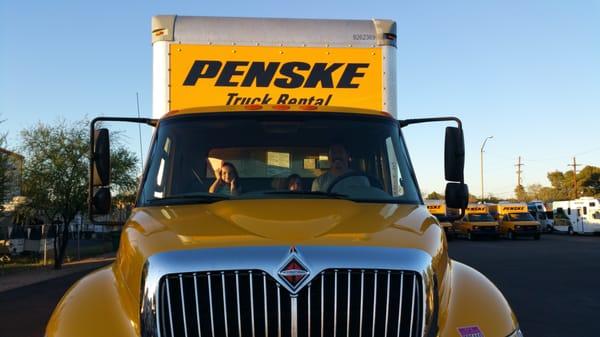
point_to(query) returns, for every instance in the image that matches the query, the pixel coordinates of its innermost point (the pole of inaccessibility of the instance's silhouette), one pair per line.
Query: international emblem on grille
(293, 271)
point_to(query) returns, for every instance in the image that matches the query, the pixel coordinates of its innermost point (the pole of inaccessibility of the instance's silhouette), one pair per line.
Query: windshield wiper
(317, 193)
(188, 198)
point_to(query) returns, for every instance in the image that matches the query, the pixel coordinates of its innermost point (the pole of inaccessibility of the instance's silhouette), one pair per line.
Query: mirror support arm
(148, 121)
(406, 122)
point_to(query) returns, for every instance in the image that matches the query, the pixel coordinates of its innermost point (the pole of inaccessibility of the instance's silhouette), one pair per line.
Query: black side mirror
(101, 158)
(457, 195)
(101, 201)
(454, 154)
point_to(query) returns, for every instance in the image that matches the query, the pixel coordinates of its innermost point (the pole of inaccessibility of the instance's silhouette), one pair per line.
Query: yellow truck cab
(477, 222)
(439, 210)
(515, 220)
(278, 197)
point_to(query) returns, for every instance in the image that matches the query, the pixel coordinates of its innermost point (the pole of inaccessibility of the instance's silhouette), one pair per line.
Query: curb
(26, 278)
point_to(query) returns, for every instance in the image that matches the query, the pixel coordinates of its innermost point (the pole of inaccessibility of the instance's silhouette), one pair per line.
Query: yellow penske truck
(439, 210)
(515, 220)
(477, 222)
(278, 197)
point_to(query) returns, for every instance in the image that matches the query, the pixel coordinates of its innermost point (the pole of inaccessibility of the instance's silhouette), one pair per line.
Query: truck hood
(288, 222)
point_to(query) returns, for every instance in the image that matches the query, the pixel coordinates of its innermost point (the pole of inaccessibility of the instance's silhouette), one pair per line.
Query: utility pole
(481, 165)
(519, 171)
(574, 165)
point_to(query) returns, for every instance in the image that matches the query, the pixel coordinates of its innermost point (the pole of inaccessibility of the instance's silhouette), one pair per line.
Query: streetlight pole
(481, 165)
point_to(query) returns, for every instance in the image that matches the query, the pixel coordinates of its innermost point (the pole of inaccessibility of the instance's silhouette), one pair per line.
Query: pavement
(31, 276)
(551, 284)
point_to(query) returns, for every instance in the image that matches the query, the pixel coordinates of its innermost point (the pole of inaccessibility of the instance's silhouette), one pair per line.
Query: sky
(525, 72)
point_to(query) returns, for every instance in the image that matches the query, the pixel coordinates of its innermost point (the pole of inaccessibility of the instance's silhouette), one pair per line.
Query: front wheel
(469, 236)
(536, 237)
(511, 235)
(571, 231)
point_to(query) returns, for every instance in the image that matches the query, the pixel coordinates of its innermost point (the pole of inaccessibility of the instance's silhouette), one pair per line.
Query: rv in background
(540, 214)
(581, 216)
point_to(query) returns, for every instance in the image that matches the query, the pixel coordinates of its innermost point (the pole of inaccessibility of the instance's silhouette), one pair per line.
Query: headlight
(475, 227)
(517, 227)
(517, 333)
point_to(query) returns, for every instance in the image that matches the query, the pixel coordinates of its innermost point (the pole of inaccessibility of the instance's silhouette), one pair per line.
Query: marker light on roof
(253, 107)
(281, 107)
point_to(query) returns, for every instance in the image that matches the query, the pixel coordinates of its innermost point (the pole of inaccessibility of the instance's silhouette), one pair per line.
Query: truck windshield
(521, 217)
(480, 217)
(199, 159)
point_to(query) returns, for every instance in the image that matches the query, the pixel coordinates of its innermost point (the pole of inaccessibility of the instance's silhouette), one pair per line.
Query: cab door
(582, 217)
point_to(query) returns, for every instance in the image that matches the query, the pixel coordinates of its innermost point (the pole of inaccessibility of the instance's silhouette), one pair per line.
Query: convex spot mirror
(457, 195)
(101, 201)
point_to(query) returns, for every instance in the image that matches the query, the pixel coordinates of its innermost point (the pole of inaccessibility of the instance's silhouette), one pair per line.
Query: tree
(4, 162)
(3, 172)
(435, 196)
(492, 199)
(588, 180)
(521, 194)
(543, 193)
(124, 183)
(563, 186)
(55, 174)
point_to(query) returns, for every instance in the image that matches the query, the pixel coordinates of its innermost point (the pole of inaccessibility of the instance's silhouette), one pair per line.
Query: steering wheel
(372, 181)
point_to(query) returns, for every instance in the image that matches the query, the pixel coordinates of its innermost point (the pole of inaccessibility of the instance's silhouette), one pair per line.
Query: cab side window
(156, 187)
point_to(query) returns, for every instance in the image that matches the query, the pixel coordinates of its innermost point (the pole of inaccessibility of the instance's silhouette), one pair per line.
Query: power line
(574, 165)
(519, 171)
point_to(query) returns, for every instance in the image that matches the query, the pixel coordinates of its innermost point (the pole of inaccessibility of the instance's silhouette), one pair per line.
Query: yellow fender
(468, 298)
(96, 306)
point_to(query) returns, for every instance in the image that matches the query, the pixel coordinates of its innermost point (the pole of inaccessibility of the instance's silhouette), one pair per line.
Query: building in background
(11, 198)
(14, 173)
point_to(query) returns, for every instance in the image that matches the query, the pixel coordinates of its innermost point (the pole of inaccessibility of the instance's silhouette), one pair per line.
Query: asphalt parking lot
(553, 285)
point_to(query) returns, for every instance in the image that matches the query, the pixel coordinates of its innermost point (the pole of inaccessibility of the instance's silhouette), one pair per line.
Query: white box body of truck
(221, 61)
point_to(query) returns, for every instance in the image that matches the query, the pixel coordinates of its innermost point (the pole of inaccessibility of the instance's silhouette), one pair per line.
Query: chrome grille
(339, 303)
